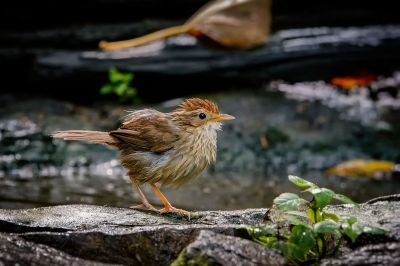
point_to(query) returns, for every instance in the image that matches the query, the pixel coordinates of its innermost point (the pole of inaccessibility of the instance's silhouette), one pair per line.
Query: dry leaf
(359, 167)
(230, 23)
(350, 82)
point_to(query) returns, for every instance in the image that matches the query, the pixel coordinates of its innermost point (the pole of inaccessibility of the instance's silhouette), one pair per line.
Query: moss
(199, 260)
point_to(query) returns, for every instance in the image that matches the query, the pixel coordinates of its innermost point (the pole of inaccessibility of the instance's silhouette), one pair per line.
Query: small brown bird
(166, 148)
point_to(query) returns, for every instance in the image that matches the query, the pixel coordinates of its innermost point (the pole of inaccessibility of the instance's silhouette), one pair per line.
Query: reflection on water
(205, 193)
(272, 137)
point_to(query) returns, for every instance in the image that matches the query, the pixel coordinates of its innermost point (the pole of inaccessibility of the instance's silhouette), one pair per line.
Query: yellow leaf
(360, 167)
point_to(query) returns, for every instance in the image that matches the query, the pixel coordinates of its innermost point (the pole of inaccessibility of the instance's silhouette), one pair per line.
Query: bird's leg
(167, 206)
(145, 203)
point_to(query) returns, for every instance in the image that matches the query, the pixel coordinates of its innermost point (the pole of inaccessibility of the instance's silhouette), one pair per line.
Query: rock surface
(116, 235)
(125, 236)
(210, 248)
(380, 254)
(381, 213)
(17, 251)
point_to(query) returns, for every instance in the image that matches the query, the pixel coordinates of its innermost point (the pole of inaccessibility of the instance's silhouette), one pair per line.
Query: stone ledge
(124, 236)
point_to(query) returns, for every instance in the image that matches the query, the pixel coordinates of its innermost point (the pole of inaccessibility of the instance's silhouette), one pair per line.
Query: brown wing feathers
(148, 133)
(144, 130)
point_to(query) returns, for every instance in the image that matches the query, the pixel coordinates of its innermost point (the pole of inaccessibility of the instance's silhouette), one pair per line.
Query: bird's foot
(144, 206)
(170, 209)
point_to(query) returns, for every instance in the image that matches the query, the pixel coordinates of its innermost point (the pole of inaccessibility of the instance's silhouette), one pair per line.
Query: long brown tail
(85, 135)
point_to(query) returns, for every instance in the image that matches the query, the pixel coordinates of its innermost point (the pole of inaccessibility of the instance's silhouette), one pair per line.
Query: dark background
(30, 30)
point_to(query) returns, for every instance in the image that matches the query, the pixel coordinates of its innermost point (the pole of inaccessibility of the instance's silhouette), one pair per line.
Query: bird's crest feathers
(197, 103)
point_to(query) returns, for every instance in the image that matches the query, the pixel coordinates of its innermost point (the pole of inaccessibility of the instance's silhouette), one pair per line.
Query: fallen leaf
(360, 167)
(237, 24)
(349, 82)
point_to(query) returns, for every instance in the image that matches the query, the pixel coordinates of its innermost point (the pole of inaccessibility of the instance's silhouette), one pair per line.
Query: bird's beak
(223, 117)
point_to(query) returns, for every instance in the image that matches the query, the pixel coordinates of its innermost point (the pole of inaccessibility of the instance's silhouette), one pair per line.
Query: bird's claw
(142, 206)
(171, 209)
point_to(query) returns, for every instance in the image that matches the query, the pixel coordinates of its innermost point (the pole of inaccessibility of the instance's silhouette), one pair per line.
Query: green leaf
(373, 230)
(289, 201)
(322, 196)
(120, 89)
(332, 216)
(116, 76)
(267, 240)
(113, 74)
(326, 227)
(294, 220)
(311, 215)
(315, 216)
(264, 230)
(343, 199)
(291, 251)
(297, 213)
(320, 244)
(352, 230)
(260, 230)
(300, 182)
(348, 219)
(130, 92)
(304, 238)
(106, 89)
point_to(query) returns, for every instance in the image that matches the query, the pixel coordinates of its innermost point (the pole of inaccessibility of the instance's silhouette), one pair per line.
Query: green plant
(311, 232)
(119, 84)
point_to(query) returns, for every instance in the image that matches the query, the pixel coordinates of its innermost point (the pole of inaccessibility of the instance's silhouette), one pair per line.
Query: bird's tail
(85, 135)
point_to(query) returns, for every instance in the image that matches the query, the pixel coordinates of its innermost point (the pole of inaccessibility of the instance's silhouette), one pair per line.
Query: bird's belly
(180, 170)
(169, 168)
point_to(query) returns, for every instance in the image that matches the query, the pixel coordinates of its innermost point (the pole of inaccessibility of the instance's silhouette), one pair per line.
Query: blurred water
(304, 137)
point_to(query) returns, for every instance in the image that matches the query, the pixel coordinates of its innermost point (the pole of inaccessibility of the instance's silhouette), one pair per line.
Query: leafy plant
(119, 84)
(312, 232)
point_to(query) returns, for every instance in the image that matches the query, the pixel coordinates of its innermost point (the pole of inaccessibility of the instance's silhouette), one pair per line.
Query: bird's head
(197, 112)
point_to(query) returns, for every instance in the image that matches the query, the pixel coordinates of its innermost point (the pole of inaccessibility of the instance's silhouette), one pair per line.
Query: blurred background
(318, 97)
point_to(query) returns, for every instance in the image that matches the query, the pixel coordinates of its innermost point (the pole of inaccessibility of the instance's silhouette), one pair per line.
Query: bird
(167, 149)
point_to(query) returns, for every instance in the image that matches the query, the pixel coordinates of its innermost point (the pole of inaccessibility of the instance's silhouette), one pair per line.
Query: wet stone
(387, 254)
(130, 237)
(215, 249)
(15, 250)
(118, 235)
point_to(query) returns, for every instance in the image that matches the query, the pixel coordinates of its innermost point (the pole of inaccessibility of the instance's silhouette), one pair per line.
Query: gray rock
(125, 236)
(17, 251)
(387, 254)
(210, 248)
(380, 213)
(116, 235)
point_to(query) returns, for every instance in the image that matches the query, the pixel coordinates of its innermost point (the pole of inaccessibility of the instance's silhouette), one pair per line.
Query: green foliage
(312, 232)
(289, 201)
(119, 84)
(300, 182)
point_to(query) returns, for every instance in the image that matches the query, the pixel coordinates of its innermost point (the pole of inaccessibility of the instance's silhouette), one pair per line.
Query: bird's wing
(147, 130)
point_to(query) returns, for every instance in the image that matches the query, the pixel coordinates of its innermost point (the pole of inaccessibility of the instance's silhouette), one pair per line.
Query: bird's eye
(202, 115)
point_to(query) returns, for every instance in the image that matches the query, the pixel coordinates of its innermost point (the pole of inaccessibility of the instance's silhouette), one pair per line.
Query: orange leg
(167, 206)
(145, 203)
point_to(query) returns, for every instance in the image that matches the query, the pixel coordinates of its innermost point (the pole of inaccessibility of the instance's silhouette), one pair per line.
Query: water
(274, 135)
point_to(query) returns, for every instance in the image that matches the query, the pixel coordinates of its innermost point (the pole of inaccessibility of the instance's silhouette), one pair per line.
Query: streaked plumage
(167, 148)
